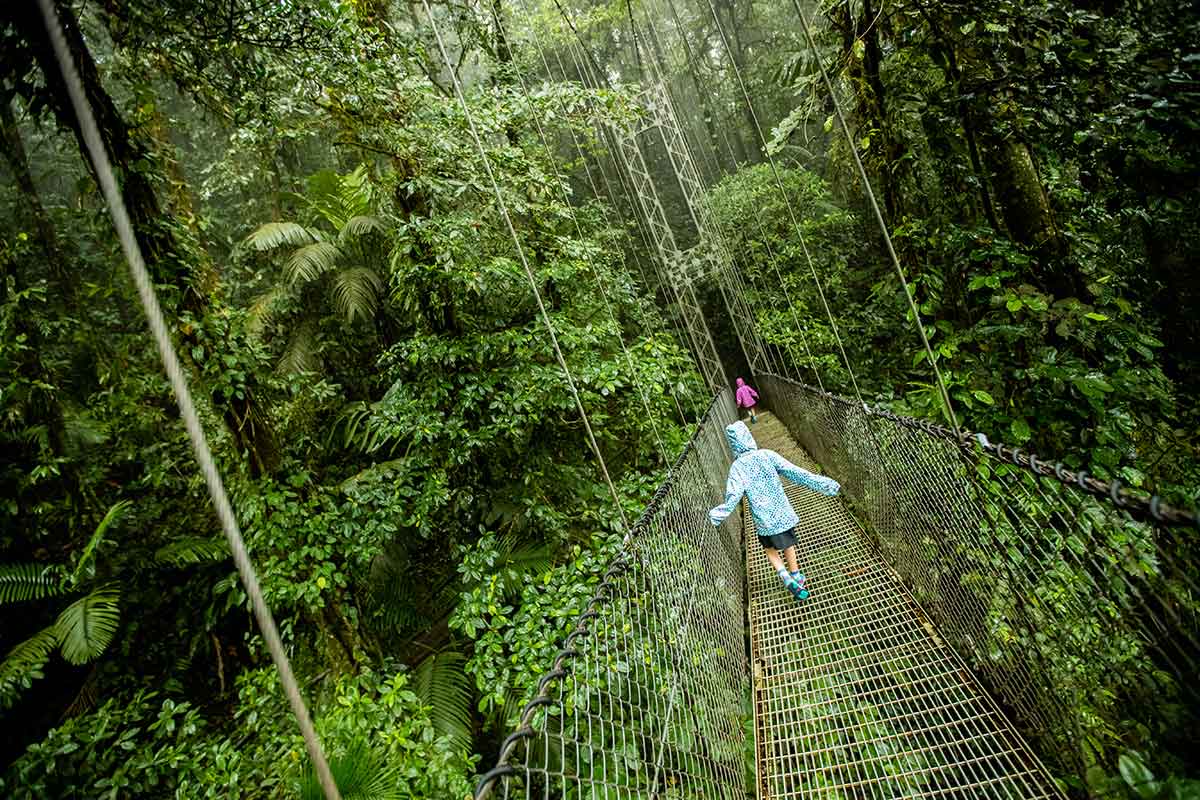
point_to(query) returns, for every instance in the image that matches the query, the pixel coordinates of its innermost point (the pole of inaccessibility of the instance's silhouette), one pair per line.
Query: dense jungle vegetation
(404, 455)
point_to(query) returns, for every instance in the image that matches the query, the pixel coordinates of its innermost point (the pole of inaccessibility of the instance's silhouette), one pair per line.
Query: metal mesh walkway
(855, 696)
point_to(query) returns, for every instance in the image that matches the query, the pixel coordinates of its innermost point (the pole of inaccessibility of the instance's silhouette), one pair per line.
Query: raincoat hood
(740, 440)
(741, 382)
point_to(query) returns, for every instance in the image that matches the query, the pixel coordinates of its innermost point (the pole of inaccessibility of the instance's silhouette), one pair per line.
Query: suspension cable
(887, 237)
(183, 397)
(560, 182)
(779, 276)
(516, 239)
(783, 193)
(671, 321)
(723, 258)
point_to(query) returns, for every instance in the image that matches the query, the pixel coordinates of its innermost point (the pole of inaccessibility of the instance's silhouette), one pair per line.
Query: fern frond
(87, 626)
(356, 293)
(21, 582)
(311, 262)
(301, 355)
(360, 774)
(442, 684)
(24, 663)
(192, 550)
(115, 513)
(279, 234)
(82, 431)
(362, 225)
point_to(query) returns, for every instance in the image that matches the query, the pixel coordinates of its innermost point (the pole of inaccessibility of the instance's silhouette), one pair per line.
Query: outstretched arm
(733, 495)
(753, 393)
(802, 477)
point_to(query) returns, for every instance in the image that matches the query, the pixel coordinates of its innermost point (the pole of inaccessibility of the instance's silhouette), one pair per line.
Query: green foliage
(86, 627)
(359, 773)
(442, 686)
(22, 582)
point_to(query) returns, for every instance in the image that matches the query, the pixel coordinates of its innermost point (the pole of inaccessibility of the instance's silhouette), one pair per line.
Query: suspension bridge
(967, 598)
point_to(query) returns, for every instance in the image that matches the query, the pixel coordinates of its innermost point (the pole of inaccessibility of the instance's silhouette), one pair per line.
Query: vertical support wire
(887, 237)
(516, 239)
(783, 193)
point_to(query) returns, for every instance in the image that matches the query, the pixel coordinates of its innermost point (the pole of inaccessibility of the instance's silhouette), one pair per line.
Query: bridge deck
(855, 696)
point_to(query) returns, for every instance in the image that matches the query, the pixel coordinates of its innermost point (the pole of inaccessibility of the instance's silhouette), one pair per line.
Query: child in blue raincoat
(755, 474)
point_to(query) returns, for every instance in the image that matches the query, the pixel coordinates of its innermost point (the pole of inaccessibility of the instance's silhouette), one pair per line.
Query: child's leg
(774, 558)
(792, 564)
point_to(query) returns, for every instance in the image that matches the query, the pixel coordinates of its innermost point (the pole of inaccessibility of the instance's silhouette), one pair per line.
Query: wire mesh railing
(648, 697)
(1074, 601)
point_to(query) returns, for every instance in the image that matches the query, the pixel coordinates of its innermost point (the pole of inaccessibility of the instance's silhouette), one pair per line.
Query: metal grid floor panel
(855, 696)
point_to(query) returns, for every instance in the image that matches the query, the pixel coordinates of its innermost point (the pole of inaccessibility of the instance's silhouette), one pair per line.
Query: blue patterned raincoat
(755, 474)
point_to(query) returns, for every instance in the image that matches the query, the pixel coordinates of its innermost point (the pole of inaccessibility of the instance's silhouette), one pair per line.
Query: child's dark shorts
(779, 541)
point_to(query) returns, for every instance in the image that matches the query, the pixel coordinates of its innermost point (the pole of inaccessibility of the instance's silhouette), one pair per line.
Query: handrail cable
(870, 191)
(786, 199)
(183, 397)
(516, 239)
(1111, 492)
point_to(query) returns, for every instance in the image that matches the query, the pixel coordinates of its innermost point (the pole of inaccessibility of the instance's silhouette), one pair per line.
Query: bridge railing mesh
(649, 696)
(1074, 601)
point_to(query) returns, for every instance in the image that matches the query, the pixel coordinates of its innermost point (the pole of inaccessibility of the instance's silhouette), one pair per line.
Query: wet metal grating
(854, 695)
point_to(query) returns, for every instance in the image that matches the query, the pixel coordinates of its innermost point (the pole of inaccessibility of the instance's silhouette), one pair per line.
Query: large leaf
(339, 198)
(301, 354)
(362, 225)
(279, 234)
(360, 774)
(262, 309)
(442, 684)
(356, 293)
(20, 582)
(24, 663)
(114, 514)
(87, 626)
(311, 262)
(192, 550)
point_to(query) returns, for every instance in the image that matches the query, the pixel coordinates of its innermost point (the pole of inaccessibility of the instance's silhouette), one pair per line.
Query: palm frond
(279, 234)
(531, 558)
(24, 663)
(311, 262)
(360, 774)
(340, 198)
(356, 293)
(87, 626)
(361, 225)
(300, 355)
(115, 513)
(395, 599)
(21, 582)
(192, 550)
(81, 431)
(262, 309)
(441, 682)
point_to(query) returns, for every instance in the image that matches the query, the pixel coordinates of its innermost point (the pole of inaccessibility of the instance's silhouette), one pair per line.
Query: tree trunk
(14, 153)
(128, 154)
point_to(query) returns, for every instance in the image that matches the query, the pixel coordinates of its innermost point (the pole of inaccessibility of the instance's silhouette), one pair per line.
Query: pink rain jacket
(746, 397)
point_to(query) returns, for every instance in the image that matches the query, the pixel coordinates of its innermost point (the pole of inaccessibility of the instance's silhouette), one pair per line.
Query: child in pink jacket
(746, 398)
